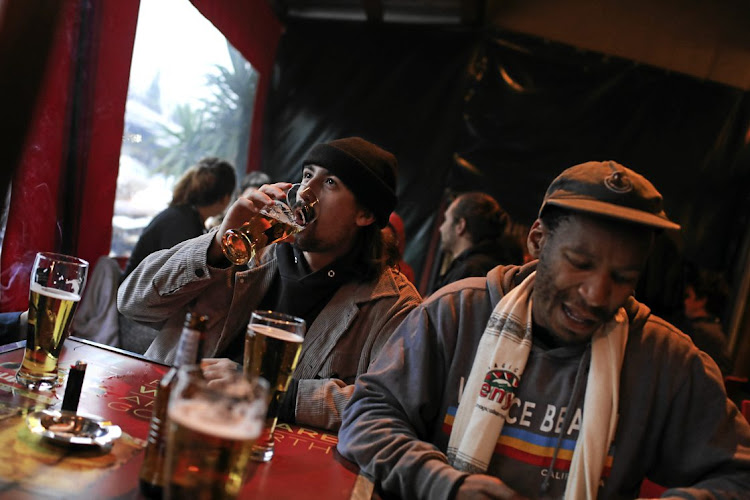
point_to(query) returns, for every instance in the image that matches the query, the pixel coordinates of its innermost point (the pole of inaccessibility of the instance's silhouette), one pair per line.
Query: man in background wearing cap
(550, 380)
(333, 276)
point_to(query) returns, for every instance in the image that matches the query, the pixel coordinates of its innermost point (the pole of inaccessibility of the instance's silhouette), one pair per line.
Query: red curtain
(253, 29)
(64, 187)
(62, 196)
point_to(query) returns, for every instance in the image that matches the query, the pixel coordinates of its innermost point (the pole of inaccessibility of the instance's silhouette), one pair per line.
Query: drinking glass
(271, 224)
(211, 429)
(57, 282)
(272, 347)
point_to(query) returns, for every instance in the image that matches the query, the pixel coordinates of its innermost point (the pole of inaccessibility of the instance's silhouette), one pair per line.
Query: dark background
(505, 113)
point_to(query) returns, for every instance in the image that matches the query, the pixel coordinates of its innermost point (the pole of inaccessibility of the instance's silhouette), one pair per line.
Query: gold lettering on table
(329, 439)
(283, 427)
(149, 391)
(306, 432)
(143, 413)
(313, 446)
(117, 406)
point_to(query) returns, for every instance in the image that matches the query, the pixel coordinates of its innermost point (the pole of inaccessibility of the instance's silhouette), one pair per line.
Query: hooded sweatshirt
(676, 425)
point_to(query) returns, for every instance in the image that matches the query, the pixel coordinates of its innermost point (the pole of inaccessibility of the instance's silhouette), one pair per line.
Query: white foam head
(54, 293)
(202, 416)
(276, 333)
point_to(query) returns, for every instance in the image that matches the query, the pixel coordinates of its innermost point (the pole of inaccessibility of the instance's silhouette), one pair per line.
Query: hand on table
(218, 370)
(483, 487)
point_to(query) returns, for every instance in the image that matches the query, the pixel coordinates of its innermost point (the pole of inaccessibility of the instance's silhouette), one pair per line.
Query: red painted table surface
(120, 387)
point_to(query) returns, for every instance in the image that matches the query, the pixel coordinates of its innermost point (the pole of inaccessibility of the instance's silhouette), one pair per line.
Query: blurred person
(550, 380)
(394, 236)
(252, 180)
(706, 293)
(333, 275)
(475, 234)
(204, 190)
(13, 326)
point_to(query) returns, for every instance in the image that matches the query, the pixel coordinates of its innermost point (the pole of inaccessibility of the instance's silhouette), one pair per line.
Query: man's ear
(364, 217)
(536, 239)
(460, 226)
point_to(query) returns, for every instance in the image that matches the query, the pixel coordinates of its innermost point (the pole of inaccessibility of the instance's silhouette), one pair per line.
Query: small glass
(272, 347)
(57, 283)
(271, 224)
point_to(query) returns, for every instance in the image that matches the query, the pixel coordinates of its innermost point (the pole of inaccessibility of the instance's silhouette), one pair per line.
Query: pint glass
(55, 289)
(210, 434)
(272, 347)
(270, 225)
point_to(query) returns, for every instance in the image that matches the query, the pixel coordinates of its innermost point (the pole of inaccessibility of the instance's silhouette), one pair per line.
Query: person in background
(13, 326)
(395, 243)
(333, 275)
(706, 293)
(550, 380)
(253, 180)
(475, 233)
(204, 190)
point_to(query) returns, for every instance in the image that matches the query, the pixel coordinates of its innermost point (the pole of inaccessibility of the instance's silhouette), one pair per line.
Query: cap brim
(615, 212)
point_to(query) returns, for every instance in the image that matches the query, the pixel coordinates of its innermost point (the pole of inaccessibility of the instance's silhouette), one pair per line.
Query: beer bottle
(151, 477)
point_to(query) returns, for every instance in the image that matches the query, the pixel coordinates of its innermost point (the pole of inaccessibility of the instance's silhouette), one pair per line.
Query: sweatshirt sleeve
(705, 449)
(389, 417)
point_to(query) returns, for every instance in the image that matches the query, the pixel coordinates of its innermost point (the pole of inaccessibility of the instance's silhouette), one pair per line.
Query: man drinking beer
(333, 276)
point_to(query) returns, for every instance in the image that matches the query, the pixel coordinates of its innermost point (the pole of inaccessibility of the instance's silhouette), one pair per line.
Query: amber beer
(270, 353)
(50, 315)
(271, 224)
(207, 459)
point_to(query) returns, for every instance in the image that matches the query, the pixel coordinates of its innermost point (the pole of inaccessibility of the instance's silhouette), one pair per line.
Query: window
(191, 95)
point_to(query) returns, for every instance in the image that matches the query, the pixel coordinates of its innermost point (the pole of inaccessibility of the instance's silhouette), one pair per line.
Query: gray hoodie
(676, 425)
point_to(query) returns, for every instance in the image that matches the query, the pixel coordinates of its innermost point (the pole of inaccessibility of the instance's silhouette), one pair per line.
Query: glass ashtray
(70, 428)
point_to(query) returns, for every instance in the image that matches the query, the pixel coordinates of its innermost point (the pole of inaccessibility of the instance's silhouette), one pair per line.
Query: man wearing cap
(550, 380)
(333, 276)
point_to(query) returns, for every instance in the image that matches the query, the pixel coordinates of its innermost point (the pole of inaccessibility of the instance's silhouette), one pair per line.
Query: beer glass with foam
(55, 289)
(270, 225)
(211, 428)
(272, 347)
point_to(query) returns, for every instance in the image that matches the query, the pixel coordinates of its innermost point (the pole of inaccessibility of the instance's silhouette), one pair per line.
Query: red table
(120, 386)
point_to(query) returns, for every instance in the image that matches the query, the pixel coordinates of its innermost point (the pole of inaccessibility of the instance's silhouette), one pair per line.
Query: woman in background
(203, 191)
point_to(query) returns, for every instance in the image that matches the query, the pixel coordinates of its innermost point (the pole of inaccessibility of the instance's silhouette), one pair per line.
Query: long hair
(369, 252)
(205, 183)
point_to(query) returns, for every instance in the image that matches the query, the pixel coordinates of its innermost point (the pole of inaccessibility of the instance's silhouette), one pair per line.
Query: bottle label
(187, 350)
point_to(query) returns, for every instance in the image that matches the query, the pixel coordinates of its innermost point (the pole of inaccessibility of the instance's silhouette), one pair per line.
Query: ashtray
(70, 428)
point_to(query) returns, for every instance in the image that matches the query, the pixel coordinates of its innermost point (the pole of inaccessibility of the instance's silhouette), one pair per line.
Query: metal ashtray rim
(87, 430)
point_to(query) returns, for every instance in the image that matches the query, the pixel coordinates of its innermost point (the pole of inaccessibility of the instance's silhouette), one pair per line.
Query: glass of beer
(271, 224)
(55, 289)
(211, 429)
(272, 347)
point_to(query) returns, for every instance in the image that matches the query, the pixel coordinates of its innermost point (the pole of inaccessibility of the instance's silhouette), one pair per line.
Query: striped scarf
(496, 374)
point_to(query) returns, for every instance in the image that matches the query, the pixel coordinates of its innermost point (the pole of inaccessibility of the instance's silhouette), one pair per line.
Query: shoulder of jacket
(389, 284)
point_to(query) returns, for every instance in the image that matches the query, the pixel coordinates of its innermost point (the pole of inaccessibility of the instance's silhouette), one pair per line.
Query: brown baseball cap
(609, 189)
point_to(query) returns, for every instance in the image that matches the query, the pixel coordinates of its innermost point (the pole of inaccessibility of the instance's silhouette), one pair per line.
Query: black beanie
(368, 171)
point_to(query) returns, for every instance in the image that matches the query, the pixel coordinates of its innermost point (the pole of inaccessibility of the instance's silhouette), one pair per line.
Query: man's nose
(596, 290)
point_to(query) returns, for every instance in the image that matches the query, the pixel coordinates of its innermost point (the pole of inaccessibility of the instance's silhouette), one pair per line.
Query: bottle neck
(187, 349)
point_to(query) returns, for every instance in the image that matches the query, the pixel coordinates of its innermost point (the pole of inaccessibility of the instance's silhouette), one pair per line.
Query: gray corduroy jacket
(339, 345)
